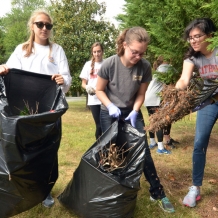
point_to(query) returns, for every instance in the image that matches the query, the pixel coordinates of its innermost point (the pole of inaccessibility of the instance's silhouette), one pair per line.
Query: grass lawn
(174, 170)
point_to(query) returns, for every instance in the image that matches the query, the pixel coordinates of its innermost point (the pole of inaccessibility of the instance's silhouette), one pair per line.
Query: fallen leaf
(172, 178)
(185, 148)
(215, 209)
(212, 181)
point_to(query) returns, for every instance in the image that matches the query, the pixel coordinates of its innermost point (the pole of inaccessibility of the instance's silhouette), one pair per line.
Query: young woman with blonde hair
(39, 55)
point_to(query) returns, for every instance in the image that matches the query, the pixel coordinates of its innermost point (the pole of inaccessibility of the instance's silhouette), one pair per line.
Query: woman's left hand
(58, 79)
(132, 117)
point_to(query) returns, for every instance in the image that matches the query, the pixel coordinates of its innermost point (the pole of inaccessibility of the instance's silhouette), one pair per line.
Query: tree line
(79, 23)
(165, 20)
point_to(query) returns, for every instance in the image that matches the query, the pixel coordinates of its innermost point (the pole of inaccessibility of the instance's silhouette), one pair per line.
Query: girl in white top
(89, 79)
(39, 55)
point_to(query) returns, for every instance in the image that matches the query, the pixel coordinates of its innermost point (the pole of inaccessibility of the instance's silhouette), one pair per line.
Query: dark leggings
(95, 109)
(160, 133)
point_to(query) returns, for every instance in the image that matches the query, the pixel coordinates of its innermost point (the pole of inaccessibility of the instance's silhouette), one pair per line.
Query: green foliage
(76, 29)
(2, 49)
(165, 21)
(171, 76)
(212, 6)
(24, 112)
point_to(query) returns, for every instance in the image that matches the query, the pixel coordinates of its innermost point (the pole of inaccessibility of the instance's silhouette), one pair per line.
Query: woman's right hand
(180, 85)
(4, 69)
(186, 76)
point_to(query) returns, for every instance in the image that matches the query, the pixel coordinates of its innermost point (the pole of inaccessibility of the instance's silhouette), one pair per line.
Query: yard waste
(99, 190)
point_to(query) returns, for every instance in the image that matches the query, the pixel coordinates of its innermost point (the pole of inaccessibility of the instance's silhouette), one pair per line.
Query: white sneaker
(192, 196)
(49, 201)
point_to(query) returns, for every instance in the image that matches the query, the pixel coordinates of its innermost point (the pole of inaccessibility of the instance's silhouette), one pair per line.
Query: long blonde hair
(29, 45)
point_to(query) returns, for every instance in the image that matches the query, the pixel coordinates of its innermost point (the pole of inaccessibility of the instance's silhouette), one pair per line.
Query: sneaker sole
(197, 199)
(168, 211)
(163, 153)
(47, 205)
(160, 205)
(152, 147)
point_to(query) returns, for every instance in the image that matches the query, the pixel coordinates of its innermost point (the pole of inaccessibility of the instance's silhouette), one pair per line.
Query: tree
(212, 6)
(2, 49)
(76, 28)
(165, 20)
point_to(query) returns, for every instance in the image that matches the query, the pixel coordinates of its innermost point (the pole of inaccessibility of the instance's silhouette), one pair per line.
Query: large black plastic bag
(29, 144)
(95, 193)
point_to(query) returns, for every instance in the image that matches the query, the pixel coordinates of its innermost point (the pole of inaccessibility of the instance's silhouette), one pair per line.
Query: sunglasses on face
(40, 25)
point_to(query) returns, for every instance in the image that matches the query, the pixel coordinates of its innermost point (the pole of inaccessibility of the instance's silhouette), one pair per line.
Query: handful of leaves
(178, 103)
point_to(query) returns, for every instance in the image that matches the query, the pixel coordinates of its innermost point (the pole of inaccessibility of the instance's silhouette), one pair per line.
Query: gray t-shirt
(207, 67)
(124, 83)
(151, 96)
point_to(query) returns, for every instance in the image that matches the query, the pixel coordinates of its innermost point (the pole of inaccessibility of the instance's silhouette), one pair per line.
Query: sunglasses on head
(40, 25)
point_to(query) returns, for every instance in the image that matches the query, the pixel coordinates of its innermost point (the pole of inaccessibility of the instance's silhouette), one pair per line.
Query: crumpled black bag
(28, 143)
(95, 193)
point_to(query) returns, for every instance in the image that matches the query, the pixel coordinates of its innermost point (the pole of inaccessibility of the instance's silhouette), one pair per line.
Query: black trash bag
(29, 143)
(96, 192)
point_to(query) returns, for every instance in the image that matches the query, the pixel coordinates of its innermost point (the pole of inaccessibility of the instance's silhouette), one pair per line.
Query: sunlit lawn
(174, 170)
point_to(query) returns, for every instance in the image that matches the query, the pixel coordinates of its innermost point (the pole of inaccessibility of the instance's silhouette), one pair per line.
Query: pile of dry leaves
(175, 105)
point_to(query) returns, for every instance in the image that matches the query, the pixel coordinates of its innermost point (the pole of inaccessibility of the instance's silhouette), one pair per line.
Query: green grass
(174, 170)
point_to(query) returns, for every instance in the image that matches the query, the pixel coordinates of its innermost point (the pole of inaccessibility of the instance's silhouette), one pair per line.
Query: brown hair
(93, 58)
(158, 62)
(132, 34)
(28, 45)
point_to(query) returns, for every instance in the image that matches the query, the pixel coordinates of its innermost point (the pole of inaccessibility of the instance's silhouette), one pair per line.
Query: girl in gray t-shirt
(121, 85)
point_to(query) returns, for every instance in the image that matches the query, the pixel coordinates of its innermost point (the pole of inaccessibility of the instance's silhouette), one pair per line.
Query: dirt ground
(176, 174)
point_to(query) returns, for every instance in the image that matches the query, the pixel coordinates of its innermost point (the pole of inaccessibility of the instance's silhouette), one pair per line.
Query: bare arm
(84, 83)
(140, 96)
(100, 87)
(187, 72)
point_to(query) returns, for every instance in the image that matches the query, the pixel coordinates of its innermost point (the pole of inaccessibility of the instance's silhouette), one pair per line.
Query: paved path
(76, 98)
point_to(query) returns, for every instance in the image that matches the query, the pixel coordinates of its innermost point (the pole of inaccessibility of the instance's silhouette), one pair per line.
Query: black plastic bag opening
(29, 143)
(95, 193)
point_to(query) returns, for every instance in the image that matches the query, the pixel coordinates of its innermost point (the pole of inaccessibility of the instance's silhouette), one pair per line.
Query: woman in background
(89, 79)
(152, 103)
